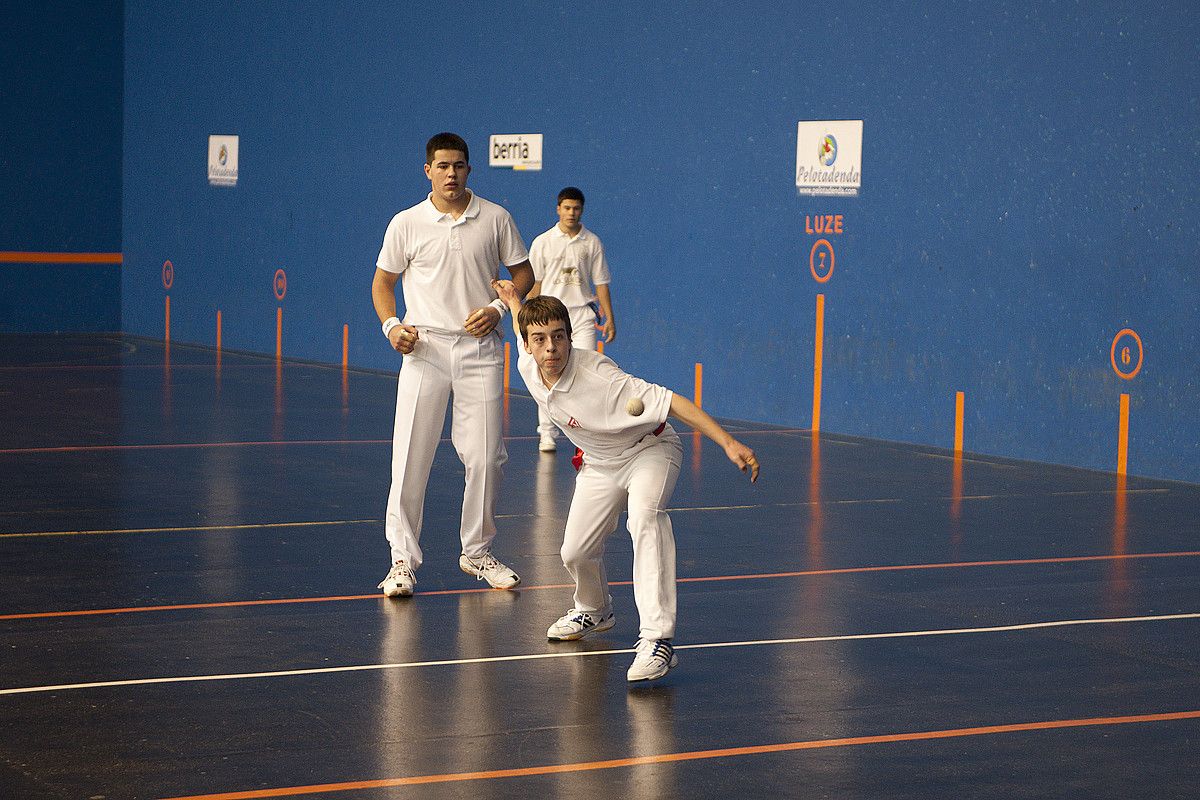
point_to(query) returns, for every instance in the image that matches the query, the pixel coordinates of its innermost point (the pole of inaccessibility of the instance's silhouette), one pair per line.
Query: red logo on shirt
(574, 423)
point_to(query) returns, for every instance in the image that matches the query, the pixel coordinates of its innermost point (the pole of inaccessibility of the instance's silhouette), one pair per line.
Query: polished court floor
(189, 551)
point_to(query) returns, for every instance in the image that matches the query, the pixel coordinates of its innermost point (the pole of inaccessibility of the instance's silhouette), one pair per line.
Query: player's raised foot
(400, 581)
(487, 568)
(547, 443)
(576, 624)
(655, 657)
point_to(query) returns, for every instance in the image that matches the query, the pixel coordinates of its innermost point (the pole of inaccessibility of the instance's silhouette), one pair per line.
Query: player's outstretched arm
(522, 278)
(741, 456)
(483, 321)
(507, 291)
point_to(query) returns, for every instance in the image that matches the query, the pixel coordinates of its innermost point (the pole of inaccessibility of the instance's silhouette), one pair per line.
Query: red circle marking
(812, 258)
(280, 284)
(168, 274)
(1112, 354)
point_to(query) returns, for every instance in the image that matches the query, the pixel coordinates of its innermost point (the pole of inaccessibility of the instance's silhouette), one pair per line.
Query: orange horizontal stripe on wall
(60, 258)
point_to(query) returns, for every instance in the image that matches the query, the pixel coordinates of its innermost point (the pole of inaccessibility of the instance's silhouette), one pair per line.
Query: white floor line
(197, 528)
(583, 654)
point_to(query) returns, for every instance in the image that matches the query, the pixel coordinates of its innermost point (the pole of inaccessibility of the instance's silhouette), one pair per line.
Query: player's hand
(507, 291)
(608, 330)
(482, 321)
(743, 458)
(403, 338)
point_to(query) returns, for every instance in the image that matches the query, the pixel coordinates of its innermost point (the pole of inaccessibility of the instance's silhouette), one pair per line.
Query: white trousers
(583, 336)
(644, 484)
(472, 370)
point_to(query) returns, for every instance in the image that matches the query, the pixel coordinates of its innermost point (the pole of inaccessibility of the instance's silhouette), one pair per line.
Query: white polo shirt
(569, 267)
(588, 403)
(447, 265)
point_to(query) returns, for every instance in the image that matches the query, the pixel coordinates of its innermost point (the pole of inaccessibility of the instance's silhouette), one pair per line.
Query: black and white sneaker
(655, 657)
(576, 624)
(487, 568)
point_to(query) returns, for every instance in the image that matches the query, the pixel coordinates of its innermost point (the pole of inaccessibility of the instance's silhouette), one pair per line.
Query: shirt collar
(437, 216)
(579, 237)
(563, 384)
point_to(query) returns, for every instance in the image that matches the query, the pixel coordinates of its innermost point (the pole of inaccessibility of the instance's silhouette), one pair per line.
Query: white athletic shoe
(576, 624)
(547, 444)
(400, 581)
(487, 568)
(654, 658)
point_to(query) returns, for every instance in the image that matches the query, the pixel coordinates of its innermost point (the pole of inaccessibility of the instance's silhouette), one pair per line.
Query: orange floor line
(279, 601)
(698, 579)
(696, 755)
(1011, 562)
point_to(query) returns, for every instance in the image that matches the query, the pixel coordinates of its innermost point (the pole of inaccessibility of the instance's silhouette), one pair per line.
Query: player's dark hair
(571, 193)
(446, 141)
(542, 310)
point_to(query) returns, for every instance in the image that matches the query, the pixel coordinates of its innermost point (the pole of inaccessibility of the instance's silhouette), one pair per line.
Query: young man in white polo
(446, 251)
(631, 458)
(568, 263)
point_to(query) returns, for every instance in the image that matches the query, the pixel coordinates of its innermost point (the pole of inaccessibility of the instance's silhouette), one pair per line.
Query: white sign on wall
(521, 151)
(829, 157)
(223, 160)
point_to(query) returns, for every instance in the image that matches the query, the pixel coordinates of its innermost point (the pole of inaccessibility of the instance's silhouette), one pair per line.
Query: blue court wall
(1028, 192)
(60, 162)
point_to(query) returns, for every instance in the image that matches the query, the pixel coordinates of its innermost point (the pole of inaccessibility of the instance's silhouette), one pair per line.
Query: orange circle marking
(168, 274)
(812, 259)
(280, 284)
(1112, 354)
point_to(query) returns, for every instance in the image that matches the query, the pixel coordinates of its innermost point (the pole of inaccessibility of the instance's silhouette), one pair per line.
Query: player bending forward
(631, 457)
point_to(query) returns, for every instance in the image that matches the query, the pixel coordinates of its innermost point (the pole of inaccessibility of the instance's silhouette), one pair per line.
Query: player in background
(568, 263)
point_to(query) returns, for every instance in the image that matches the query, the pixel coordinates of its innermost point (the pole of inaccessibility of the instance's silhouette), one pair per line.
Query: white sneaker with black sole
(576, 624)
(487, 568)
(655, 657)
(400, 581)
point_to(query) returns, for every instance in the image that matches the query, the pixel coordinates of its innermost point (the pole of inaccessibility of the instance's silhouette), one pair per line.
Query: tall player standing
(445, 252)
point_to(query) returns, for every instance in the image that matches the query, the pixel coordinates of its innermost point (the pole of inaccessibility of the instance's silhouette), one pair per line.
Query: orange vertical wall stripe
(959, 403)
(345, 345)
(818, 356)
(25, 257)
(507, 356)
(278, 333)
(218, 330)
(699, 385)
(1123, 436)
(167, 320)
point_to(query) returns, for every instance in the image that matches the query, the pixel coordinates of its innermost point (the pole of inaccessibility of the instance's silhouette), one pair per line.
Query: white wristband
(388, 324)
(500, 306)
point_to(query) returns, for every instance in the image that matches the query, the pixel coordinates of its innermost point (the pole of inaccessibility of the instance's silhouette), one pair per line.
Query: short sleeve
(600, 274)
(512, 248)
(622, 387)
(392, 256)
(537, 258)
